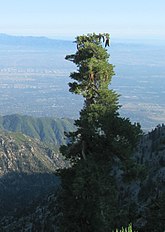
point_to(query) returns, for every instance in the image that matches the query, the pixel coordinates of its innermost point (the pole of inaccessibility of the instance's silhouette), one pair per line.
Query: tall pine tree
(89, 198)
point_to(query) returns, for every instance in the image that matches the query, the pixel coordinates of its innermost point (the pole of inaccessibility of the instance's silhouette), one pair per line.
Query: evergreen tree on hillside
(155, 214)
(89, 198)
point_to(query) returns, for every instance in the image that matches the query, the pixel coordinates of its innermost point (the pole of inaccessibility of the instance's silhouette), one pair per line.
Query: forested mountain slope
(50, 130)
(145, 190)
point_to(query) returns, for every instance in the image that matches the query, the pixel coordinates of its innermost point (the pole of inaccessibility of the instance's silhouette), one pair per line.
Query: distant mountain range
(33, 41)
(49, 130)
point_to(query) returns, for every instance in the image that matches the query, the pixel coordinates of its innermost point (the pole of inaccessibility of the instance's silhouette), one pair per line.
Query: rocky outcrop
(27, 171)
(145, 189)
(151, 189)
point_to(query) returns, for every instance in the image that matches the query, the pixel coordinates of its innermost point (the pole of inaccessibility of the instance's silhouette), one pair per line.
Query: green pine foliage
(89, 197)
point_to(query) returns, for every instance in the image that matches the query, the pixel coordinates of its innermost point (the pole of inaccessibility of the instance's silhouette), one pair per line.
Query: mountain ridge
(46, 129)
(33, 41)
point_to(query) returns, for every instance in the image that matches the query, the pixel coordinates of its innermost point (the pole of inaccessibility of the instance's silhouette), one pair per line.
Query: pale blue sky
(68, 18)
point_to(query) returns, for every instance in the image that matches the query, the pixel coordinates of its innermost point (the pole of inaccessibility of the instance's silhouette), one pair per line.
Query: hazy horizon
(142, 40)
(62, 19)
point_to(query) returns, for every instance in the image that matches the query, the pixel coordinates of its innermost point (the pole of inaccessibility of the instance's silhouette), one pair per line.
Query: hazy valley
(34, 78)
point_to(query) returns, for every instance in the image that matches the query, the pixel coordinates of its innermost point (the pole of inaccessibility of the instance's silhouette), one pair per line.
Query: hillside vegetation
(49, 130)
